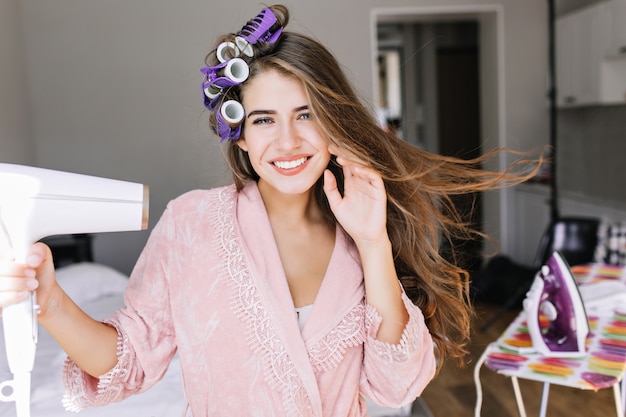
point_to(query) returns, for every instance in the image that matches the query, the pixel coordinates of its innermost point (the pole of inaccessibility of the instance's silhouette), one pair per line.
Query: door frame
(498, 211)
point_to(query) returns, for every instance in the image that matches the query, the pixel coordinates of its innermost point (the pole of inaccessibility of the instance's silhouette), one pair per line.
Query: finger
(40, 258)
(344, 156)
(331, 190)
(12, 269)
(348, 170)
(16, 289)
(334, 150)
(7, 298)
(357, 174)
(38, 255)
(355, 170)
(16, 284)
(366, 174)
(346, 162)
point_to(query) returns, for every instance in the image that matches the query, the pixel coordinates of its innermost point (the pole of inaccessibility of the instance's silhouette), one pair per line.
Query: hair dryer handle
(20, 335)
(20, 323)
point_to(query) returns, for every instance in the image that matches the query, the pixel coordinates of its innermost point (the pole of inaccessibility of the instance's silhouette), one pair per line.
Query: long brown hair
(420, 185)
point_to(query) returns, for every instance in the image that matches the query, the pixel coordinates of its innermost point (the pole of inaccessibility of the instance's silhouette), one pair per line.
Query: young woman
(312, 281)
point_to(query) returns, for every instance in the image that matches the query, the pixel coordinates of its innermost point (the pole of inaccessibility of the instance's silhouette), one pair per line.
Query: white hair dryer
(36, 203)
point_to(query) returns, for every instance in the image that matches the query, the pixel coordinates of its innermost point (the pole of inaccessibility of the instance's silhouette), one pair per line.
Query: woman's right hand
(18, 280)
(90, 343)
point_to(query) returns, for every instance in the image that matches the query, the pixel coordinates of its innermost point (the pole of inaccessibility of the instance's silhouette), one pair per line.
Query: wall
(592, 148)
(113, 86)
(590, 168)
(15, 141)
(565, 6)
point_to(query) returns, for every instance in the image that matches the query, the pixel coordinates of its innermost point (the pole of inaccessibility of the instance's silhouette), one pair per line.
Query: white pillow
(85, 282)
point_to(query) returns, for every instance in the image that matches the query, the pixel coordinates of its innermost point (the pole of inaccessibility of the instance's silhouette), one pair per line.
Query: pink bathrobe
(210, 286)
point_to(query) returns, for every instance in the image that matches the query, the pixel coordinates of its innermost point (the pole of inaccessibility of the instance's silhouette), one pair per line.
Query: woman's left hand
(362, 211)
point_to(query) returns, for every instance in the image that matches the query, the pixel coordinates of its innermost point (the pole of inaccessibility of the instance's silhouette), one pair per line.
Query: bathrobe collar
(341, 290)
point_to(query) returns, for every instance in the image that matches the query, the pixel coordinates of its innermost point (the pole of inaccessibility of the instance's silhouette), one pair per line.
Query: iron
(555, 314)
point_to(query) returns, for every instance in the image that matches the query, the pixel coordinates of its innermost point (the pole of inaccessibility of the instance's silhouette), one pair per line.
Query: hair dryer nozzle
(37, 202)
(145, 214)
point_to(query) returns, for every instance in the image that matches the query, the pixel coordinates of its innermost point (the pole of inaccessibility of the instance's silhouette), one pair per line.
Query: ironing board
(602, 367)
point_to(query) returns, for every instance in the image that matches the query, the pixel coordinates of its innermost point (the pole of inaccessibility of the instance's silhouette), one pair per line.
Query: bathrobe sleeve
(145, 331)
(394, 375)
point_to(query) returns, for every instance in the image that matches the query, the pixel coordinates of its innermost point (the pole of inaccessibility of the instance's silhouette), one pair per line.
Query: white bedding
(98, 290)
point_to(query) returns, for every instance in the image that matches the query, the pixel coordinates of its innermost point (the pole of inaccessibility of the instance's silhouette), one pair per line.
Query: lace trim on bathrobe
(409, 342)
(280, 372)
(83, 391)
(329, 352)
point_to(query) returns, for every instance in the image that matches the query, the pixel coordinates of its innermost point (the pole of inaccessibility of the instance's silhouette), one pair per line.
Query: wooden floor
(453, 392)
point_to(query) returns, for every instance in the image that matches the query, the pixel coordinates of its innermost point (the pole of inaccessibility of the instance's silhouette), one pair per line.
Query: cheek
(323, 147)
(328, 158)
(255, 150)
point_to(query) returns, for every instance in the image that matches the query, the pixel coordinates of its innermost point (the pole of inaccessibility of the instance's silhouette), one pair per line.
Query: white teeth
(290, 164)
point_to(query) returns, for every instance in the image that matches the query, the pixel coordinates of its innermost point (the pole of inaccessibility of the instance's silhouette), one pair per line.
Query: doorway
(451, 92)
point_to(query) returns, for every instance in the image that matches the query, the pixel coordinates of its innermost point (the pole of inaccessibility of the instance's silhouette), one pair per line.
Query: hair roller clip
(211, 91)
(229, 119)
(211, 96)
(262, 28)
(219, 77)
(224, 48)
(227, 74)
(237, 70)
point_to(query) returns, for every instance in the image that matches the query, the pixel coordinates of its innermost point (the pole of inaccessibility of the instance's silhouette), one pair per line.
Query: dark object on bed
(70, 249)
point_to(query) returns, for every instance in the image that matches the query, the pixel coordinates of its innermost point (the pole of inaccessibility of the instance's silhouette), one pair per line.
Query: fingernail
(32, 284)
(22, 295)
(30, 273)
(33, 260)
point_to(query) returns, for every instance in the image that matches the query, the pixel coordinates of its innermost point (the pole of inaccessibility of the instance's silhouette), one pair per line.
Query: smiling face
(283, 141)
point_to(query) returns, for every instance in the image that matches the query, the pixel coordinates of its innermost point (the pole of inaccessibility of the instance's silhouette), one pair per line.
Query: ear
(241, 142)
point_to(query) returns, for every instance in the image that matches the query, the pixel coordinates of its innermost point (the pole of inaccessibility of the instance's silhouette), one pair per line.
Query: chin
(290, 186)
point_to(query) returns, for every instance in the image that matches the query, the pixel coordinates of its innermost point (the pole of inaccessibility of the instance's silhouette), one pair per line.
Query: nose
(288, 137)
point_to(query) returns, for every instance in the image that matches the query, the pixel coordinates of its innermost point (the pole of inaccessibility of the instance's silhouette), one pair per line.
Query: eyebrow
(296, 110)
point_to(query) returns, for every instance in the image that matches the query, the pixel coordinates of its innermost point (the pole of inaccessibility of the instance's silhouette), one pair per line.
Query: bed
(98, 289)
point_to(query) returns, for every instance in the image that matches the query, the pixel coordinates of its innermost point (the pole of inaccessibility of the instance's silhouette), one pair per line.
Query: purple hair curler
(262, 28)
(221, 76)
(229, 118)
(222, 51)
(224, 75)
